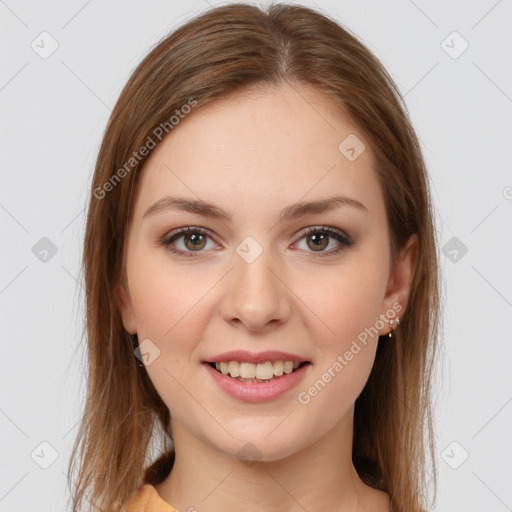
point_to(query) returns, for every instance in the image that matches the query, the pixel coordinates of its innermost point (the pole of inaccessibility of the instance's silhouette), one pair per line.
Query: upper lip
(255, 357)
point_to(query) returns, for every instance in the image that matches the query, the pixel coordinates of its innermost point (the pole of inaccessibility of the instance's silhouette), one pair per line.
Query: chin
(255, 443)
(263, 451)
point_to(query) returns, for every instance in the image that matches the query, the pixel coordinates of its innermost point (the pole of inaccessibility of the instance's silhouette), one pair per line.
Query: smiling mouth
(257, 373)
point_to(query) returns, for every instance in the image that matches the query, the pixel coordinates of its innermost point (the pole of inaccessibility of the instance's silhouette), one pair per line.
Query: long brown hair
(220, 52)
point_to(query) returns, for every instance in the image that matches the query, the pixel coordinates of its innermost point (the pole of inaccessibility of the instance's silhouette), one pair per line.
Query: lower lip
(254, 391)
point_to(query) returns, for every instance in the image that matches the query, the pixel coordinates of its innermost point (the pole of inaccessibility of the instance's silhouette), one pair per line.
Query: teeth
(278, 368)
(288, 367)
(262, 371)
(247, 370)
(234, 368)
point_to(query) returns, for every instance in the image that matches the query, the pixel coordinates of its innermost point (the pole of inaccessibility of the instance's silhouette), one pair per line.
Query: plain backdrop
(63, 65)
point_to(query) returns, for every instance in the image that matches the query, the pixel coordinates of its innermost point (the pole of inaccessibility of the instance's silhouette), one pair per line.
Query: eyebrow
(290, 212)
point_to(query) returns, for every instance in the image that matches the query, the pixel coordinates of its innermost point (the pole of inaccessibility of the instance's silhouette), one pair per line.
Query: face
(267, 276)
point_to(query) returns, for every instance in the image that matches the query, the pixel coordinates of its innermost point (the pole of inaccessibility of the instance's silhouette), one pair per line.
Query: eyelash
(344, 241)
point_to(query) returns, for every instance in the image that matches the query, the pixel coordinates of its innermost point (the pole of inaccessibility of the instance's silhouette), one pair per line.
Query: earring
(390, 334)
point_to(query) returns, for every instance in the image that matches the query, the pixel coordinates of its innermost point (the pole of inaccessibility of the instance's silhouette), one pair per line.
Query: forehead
(275, 145)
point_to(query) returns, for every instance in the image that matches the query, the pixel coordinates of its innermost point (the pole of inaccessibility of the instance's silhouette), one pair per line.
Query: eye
(194, 240)
(318, 238)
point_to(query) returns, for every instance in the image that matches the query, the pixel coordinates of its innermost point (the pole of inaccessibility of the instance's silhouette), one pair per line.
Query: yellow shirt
(148, 500)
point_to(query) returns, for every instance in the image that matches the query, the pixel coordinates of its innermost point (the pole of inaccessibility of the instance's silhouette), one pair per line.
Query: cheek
(343, 302)
(347, 307)
(170, 301)
(331, 393)
(173, 306)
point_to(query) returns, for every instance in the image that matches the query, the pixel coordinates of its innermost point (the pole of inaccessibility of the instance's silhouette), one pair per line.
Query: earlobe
(126, 309)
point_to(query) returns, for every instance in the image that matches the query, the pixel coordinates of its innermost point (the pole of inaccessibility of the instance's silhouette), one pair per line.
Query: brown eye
(318, 241)
(194, 241)
(188, 241)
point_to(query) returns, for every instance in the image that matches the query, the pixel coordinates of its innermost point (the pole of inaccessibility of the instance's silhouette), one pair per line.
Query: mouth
(257, 373)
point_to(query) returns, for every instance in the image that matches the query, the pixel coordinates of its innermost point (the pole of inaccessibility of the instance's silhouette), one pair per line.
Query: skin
(252, 154)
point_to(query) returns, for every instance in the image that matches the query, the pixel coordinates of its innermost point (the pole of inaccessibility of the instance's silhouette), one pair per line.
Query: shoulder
(148, 500)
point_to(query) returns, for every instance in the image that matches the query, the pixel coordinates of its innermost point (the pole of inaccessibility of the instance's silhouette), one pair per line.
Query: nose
(255, 295)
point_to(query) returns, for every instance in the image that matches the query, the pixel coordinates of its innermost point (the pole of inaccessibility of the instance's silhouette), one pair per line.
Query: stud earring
(393, 329)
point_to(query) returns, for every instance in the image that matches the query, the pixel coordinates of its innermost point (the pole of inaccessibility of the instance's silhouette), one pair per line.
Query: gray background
(54, 111)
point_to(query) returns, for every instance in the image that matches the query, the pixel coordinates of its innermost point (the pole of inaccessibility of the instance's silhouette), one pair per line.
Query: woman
(261, 278)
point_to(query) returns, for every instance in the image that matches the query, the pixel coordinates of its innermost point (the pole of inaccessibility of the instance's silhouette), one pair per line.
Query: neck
(316, 478)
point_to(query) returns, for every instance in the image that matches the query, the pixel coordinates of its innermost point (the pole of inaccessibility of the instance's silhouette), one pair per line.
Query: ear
(400, 280)
(125, 307)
